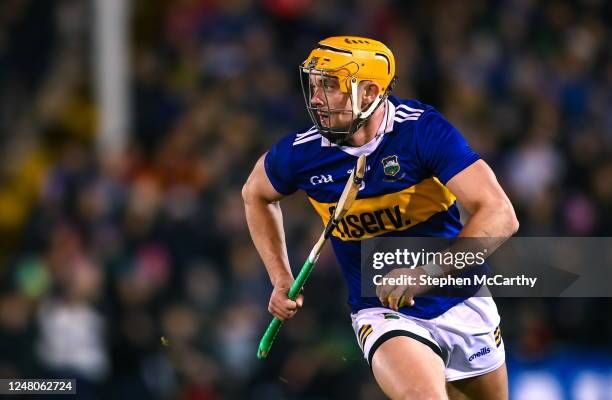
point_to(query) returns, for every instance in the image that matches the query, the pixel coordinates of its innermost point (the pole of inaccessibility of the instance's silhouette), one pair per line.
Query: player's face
(333, 106)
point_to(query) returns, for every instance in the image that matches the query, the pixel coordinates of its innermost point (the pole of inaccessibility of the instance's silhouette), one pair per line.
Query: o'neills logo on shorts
(483, 352)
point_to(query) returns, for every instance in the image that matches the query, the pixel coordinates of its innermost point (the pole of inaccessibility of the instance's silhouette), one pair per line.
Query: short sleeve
(278, 167)
(442, 148)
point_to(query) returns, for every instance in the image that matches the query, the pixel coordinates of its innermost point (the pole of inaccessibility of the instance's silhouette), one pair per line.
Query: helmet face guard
(362, 60)
(335, 134)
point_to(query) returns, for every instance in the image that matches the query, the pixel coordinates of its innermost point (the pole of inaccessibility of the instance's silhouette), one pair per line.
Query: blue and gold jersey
(414, 155)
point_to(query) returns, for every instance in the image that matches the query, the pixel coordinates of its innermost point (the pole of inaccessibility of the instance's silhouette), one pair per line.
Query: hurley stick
(344, 203)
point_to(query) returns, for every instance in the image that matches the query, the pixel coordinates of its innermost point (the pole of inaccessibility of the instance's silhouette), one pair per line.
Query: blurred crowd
(105, 254)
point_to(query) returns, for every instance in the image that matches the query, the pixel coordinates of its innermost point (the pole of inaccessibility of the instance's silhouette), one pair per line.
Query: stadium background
(103, 252)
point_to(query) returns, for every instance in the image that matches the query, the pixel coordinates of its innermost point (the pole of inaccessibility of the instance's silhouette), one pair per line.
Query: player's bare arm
(265, 221)
(492, 218)
(492, 214)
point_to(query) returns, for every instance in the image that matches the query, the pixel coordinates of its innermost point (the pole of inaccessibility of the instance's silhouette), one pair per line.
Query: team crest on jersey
(391, 165)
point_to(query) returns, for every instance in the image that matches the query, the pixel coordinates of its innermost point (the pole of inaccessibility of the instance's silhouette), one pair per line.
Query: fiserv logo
(357, 225)
(482, 352)
(373, 216)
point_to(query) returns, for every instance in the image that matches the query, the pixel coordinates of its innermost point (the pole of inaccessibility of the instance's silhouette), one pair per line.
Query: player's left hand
(396, 296)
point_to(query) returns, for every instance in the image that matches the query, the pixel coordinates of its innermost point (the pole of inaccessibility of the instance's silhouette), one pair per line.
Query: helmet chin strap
(355, 100)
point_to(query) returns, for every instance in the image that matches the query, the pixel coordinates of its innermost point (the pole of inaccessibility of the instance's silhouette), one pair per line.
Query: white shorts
(467, 337)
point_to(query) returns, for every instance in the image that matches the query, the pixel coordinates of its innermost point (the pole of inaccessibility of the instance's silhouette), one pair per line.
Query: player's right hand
(281, 306)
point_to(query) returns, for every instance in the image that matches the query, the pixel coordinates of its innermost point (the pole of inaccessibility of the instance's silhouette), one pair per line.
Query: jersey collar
(368, 148)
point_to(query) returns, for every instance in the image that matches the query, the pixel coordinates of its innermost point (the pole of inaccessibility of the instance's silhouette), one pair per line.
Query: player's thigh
(407, 369)
(490, 386)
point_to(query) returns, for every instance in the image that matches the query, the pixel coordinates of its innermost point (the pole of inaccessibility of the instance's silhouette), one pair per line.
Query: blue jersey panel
(277, 164)
(441, 147)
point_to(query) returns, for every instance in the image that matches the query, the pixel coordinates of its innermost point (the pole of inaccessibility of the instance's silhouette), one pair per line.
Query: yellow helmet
(352, 60)
(350, 56)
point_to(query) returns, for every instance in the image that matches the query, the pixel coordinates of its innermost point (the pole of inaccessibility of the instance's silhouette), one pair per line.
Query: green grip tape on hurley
(268, 337)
